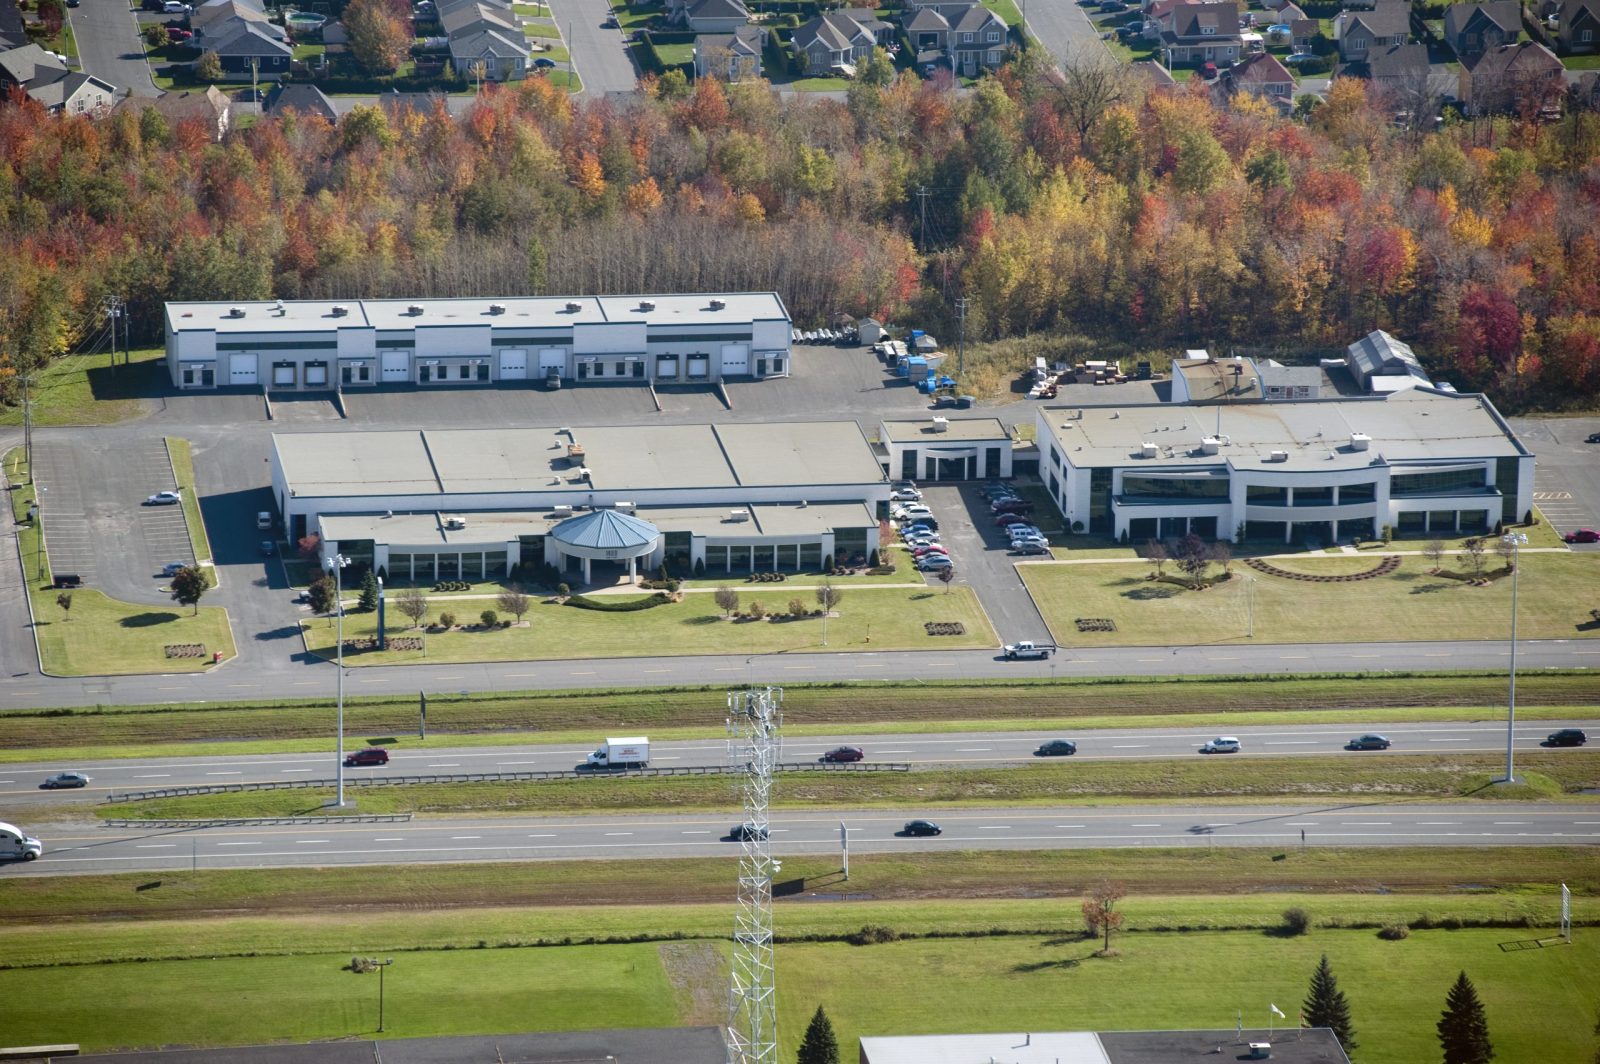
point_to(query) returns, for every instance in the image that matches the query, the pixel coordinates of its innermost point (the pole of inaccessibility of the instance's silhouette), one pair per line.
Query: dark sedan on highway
(1567, 737)
(844, 753)
(1057, 748)
(371, 756)
(1368, 742)
(741, 832)
(916, 828)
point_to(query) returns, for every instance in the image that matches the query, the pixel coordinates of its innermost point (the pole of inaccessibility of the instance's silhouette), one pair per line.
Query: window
(994, 36)
(1450, 482)
(994, 57)
(1588, 35)
(966, 38)
(1261, 495)
(1505, 481)
(1313, 496)
(1354, 493)
(1143, 487)
(1208, 31)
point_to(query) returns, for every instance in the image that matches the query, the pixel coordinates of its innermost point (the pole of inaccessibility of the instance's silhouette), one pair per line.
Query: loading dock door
(242, 369)
(735, 359)
(396, 366)
(552, 358)
(514, 365)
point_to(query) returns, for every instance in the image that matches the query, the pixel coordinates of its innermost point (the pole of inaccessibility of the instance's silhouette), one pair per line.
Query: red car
(932, 548)
(844, 753)
(1012, 519)
(370, 756)
(1583, 535)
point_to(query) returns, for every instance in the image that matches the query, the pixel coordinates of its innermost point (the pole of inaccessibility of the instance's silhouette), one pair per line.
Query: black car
(1368, 742)
(741, 832)
(922, 827)
(1594, 437)
(1057, 748)
(1567, 737)
(844, 753)
(375, 755)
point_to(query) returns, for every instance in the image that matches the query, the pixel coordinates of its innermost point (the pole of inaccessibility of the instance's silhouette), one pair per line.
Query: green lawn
(1556, 594)
(1006, 9)
(875, 619)
(531, 10)
(820, 84)
(556, 53)
(1581, 62)
(566, 79)
(87, 390)
(309, 51)
(183, 467)
(541, 30)
(675, 54)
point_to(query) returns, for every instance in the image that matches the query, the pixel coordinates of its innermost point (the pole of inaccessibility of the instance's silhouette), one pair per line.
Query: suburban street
(1063, 27)
(598, 55)
(91, 850)
(107, 33)
(19, 782)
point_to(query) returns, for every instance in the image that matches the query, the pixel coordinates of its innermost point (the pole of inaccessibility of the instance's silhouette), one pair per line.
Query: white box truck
(18, 845)
(621, 753)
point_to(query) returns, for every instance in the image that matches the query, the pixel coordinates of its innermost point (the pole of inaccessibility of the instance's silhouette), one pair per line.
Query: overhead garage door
(242, 369)
(514, 365)
(552, 358)
(735, 359)
(396, 366)
(316, 374)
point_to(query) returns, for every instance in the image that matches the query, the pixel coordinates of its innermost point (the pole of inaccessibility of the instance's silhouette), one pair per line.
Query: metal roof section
(1049, 1047)
(606, 530)
(929, 430)
(1379, 354)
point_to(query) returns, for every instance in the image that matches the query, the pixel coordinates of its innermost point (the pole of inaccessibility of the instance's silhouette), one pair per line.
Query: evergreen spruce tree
(1463, 1028)
(1325, 1005)
(820, 1046)
(369, 591)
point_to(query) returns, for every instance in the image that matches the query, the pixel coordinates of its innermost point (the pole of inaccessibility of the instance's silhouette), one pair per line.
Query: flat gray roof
(1418, 425)
(966, 428)
(618, 458)
(530, 312)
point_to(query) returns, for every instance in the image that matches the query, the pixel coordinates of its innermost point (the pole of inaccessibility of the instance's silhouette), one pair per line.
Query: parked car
(934, 561)
(1567, 737)
(905, 495)
(179, 34)
(913, 510)
(1007, 520)
(372, 755)
(1208, 71)
(175, 7)
(926, 524)
(1222, 744)
(610, 23)
(920, 539)
(1031, 548)
(172, 569)
(1057, 748)
(917, 828)
(268, 548)
(62, 780)
(1594, 437)
(844, 753)
(930, 548)
(544, 64)
(741, 832)
(1019, 534)
(152, 5)
(1368, 742)
(1582, 535)
(1011, 506)
(164, 498)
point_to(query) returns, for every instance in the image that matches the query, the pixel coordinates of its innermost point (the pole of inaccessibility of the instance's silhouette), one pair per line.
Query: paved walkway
(1301, 555)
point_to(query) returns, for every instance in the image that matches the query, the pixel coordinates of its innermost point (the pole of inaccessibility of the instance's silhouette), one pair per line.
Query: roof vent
(235, 312)
(583, 472)
(415, 310)
(1360, 441)
(738, 515)
(1209, 445)
(1149, 450)
(941, 424)
(497, 308)
(455, 521)
(339, 310)
(647, 304)
(1278, 456)
(575, 453)
(573, 306)
(562, 510)
(719, 304)
(624, 507)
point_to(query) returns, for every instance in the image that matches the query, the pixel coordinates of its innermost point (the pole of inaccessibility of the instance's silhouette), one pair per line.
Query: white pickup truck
(1026, 649)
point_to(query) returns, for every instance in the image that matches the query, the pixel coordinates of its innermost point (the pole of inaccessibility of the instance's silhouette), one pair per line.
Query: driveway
(984, 562)
(1566, 479)
(107, 33)
(599, 55)
(1064, 28)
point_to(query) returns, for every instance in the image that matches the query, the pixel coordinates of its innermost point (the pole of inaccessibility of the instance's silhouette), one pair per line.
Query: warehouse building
(316, 345)
(939, 448)
(1420, 461)
(597, 503)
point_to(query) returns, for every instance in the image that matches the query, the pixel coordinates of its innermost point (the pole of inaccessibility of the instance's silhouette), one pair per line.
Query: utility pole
(113, 308)
(337, 564)
(27, 425)
(922, 197)
(961, 336)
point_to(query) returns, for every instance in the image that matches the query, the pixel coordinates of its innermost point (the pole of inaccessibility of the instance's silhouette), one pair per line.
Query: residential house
(950, 9)
(1303, 33)
(302, 99)
(716, 16)
(1402, 68)
(929, 34)
(734, 56)
(48, 82)
(218, 20)
(1154, 74)
(977, 41)
(252, 50)
(1513, 77)
(1288, 13)
(1358, 32)
(396, 104)
(1579, 26)
(1473, 28)
(1261, 74)
(1203, 33)
(466, 18)
(13, 30)
(504, 57)
(210, 108)
(839, 40)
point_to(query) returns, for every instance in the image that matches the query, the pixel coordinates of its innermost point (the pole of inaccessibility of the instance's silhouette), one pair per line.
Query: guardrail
(498, 777)
(259, 821)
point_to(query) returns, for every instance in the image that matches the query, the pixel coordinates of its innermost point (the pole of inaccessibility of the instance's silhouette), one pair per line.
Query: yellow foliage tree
(588, 178)
(750, 208)
(644, 197)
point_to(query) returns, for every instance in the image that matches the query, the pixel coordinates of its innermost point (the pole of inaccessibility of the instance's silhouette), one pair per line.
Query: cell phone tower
(755, 744)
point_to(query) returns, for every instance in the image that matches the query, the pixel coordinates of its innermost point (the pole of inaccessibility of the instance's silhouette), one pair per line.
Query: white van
(16, 845)
(264, 521)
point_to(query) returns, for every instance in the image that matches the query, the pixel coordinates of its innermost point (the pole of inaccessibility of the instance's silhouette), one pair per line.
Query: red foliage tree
(1488, 331)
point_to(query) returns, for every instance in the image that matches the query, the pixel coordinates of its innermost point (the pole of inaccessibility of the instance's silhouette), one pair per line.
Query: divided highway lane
(87, 850)
(19, 782)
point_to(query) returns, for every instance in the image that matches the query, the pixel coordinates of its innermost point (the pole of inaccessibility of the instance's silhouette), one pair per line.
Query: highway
(301, 677)
(19, 783)
(69, 850)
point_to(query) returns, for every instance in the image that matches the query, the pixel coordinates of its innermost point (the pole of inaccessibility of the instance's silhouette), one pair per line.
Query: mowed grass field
(1556, 594)
(1540, 1002)
(868, 619)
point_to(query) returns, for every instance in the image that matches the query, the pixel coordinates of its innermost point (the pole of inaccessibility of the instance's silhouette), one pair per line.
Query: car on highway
(1368, 742)
(1056, 748)
(1567, 737)
(741, 832)
(1222, 744)
(1582, 535)
(905, 495)
(844, 753)
(164, 498)
(64, 780)
(1027, 650)
(376, 755)
(917, 828)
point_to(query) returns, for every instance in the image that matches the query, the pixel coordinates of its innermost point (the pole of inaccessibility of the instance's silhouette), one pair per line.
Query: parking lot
(1566, 479)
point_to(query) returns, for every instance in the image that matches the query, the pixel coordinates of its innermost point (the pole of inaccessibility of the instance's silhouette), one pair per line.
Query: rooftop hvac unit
(625, 507)
(1278, 456)
(1330, 363)
(563, 510)
(583, 472)
(719, 304)
(339, 310)
(454, 521)
(1149, 450)
(1360, 441)
(647, 304)
(738, 515)
(575, 450)
(497, 308)
(941, 424)
(235, 312)
(415, 310)
(1209, 445)
(573, 306)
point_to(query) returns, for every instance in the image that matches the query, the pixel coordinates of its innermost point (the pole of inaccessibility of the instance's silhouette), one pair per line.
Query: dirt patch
(699, 981)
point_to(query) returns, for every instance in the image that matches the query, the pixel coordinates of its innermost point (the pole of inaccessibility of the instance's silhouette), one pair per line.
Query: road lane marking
(1144, 825)
(1438, 823)
(1071, 825)
(581, 673)
(395, 838)
(458, 838)
(1449, 740)
(446, 764)
(972, 749)
(154, 776)
(1367, 823)
(310, 842)
(994, 827)
(1291, 742)
(694, 833)
(1131, 746)
(880, 751)
(294, 770)
(1508, 823)
(224, 773)
(510, 763)
(240, 844)
(541, 836)
(609, 834)
(158, 846)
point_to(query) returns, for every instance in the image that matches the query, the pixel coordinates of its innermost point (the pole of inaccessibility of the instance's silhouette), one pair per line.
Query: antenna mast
(754, 746)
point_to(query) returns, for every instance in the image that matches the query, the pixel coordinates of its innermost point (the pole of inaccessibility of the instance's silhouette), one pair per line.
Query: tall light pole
(1250, 604)
(337, 564)
(1517, 541)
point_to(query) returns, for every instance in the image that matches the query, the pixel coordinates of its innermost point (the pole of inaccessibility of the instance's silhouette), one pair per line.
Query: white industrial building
(470, 504)
(1420, 460)
(940, 448)
(319, 345)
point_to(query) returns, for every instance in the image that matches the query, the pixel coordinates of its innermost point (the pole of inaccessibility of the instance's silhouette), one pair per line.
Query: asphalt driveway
(983, 561)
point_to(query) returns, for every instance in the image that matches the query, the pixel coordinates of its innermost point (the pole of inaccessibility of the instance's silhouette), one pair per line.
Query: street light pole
(381, 967)
(1516, 540)
(337, 564)
(1250, 603)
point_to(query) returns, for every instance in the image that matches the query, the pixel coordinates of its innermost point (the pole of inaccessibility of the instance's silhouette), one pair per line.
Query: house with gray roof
(217, 20)
(252, 50)
(504, 57)
(1470, 29)
(838, 40)
(977, 40)
(48, 82)
(1402, 68)
(715, 16)
(1525, 76)
(210, 107)
(1579, 26)
(1358, 32)
(732, 56)
(476, 16)
(1203, 33)
(302, 99)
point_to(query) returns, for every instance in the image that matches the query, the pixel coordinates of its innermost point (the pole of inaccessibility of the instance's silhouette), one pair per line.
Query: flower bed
(945, 628)
(1096, 624)
(186, 650)
(1388, 565)
(395, 642)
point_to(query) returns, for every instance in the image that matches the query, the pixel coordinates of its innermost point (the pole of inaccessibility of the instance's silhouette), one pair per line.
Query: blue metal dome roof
(606, 530)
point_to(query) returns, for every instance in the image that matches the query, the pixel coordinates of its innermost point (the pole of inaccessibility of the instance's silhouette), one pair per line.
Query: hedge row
(583, 602)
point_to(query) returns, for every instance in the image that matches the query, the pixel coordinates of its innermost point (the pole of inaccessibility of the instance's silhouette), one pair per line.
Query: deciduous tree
(727, 600)
(379, 37)
(413, 604)
(208, 67)
(514, 601)
(1100, 913)
(189, 584)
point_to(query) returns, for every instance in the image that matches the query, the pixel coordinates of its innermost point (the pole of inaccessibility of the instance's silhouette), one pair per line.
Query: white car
(914, 511)
(1222, 744)
(905, 495)
(175, 7)
(930, 562)
(164, 498)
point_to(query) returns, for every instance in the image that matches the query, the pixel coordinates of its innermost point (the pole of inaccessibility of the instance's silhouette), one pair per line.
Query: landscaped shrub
(797, 609)
(699, 567)
(489, 618)
(1296, 921)
(872, 935)
(563, 590)
(1394, 932)
(827, 563)
(447, 620)
(872, 558)
(625, 606)
(757, 611)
